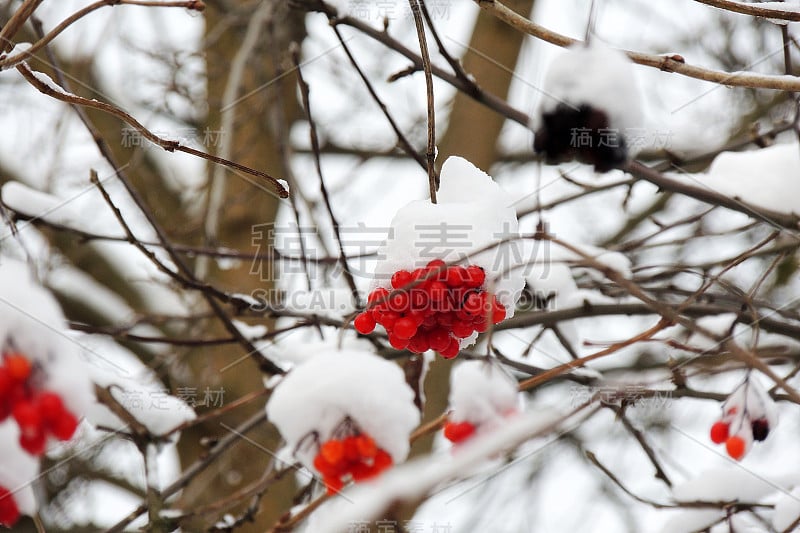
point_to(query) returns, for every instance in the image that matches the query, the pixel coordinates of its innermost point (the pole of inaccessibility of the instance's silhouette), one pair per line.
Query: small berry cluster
(9, 512)
(38, 413)
(457, 432)
(748, 415)
(356, 457)
(439, 306)
(738, 443)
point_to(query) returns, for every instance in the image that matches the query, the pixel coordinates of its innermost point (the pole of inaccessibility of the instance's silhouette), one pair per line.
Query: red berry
(397, 343)
(64, 428)
(462, 329)
(436, 269)
(438, 293)
(33, 442)
(9, 512)
(389, 319)
(458, 431)
(18, 366)
(498, 311)
(405, 328)
(366, 446)
(362, 471)
(439, 339)
(719, 432)
(452, 349)
(325, 468)
(7, 386)
(420, 299)
(364, 323)
(419, 343)
(351, 453)
(333, 484)
(447, 320)
(475, 276)
(430, 322)
(382, 461)
(27, 416)
(401, 278)
(400, 302)
(417, 318)
(736, 447)
(456, 276)
(50, 407)
(377, 295)
(473, 304)
(332, 451)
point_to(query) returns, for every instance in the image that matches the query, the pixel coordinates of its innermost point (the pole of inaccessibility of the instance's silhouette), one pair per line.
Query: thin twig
(166, 144)
(433, 179)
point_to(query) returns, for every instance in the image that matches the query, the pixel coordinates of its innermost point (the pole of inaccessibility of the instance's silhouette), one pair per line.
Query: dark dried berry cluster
(356, 457)
(38, 413)
(581, 133)
(439, 306)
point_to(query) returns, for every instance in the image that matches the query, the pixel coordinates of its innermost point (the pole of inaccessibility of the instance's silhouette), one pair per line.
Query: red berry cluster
(457, 432)
(38, 413)
(9, 512)
(736, 444)
(356, 457)
(439, 306)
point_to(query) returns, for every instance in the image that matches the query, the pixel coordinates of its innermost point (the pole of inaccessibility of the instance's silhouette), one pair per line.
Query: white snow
(18, 469)
(787, 510)
(473, 214)
(753, 398)
(143, 396)
(298, 346)
(482, 393)
(317, 396)
(32, 323)
(597, 76)
(18, 48)
(418, 478)
(692, 520)
(330, 302)
(727, 484)
(33, 203)
(49, 82)
(765, 178)
(786, 6)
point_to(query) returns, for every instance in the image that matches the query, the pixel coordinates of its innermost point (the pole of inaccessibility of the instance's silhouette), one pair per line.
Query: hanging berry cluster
(39, 413)
(355, 457)
(748, 415)
(439, 306)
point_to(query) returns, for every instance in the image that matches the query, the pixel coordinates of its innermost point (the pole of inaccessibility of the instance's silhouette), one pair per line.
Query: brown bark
(473, 128)
(245, 208)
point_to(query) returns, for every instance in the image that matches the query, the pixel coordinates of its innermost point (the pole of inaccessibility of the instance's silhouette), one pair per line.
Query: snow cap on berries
(597, 76)
(318, 395)
(481, 393)
(17, 470)
(473, 213)
(590, 98)
(32, 324)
